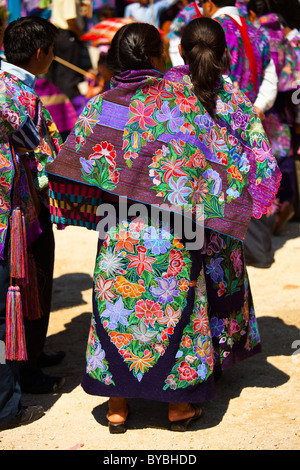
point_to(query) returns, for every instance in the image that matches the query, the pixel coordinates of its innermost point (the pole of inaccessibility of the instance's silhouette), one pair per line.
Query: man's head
(211, 6)
(28, 43)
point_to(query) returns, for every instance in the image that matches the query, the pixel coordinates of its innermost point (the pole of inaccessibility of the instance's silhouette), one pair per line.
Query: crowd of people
(193, 120)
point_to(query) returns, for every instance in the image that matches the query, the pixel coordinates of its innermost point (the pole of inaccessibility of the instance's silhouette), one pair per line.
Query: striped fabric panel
(74, 204)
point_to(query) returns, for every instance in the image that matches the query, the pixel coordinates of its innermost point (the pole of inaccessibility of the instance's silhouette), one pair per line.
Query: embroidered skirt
(164, 317)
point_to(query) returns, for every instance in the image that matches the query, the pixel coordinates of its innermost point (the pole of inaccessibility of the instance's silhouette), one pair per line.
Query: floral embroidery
(225, 267)
(140, 308)
(100, 168)
(157, 93)
(96, 363)
(17, 103)
(194, 358)
(87, 120)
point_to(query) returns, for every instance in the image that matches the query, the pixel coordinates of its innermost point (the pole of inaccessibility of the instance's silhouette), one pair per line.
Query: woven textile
(150, 140)
(74, 204)
(164, 317)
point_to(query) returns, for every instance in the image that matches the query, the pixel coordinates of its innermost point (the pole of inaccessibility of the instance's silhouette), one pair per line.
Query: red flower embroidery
(186, 104)
(156, 93)
(106, 150)
(150, 311)
(142, 115)
(141, 262)
(186, 372)
(176, 263)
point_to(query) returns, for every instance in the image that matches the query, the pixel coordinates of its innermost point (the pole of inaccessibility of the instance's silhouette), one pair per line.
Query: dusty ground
(258, 400)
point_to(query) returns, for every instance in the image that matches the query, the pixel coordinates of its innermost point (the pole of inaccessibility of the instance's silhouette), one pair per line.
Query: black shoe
(48, 360)
(42, 383)
(183, 424)
(27, 415)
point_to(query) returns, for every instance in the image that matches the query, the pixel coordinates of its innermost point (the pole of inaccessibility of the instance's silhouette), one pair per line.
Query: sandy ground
(258, 400)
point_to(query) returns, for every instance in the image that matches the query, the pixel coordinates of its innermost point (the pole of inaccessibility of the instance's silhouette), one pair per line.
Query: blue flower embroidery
(95, 360)
(166, 290)
(171, 116)
(215, 270)
(216, 327)
(158, 241)
(116, 313)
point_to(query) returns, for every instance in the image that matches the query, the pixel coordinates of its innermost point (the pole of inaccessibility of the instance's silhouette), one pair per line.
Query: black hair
(224, 3)
(132, 47)
(260, 7)
(24, 36)
(204, 49)
(106, 12)
(289, 14)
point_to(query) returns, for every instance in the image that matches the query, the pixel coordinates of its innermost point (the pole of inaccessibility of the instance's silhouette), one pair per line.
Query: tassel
(18, 258)
(30, 292)
(15, 334)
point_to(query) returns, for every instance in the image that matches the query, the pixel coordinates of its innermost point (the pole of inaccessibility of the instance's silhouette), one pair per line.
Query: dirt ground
(258, 400)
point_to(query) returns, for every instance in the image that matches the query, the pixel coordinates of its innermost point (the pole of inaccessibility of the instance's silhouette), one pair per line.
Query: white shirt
(64, 10)
(294, 33)
(174, 41)
(28, 78)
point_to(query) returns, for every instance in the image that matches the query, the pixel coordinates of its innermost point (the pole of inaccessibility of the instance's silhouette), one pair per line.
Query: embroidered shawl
(150, 140)
(245, 132)
(187, 14)
(282, 52)
(295, 42)
(20, 104)
(241, 73)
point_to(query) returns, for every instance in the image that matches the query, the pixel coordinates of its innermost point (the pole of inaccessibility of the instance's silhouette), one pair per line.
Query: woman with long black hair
(151, 141)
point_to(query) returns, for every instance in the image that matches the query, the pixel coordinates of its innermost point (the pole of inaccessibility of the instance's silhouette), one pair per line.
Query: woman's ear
(38, 54)
(180, 50)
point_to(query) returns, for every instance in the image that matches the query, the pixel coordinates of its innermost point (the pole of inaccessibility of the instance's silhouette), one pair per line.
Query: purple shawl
(151, 140)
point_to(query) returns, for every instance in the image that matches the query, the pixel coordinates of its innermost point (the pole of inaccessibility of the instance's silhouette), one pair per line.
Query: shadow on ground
(277, 338)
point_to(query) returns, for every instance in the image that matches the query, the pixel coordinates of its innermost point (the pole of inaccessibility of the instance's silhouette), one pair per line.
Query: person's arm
(174, 54)
(25, 139)
(72, 25)
(268, 90)
(70, 16)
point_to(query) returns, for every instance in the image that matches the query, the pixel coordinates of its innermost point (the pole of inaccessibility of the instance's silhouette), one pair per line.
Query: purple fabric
(103, 121)
(240, 69)
(59, 106)
(282, 52)
(162, 338)
(262, 194)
